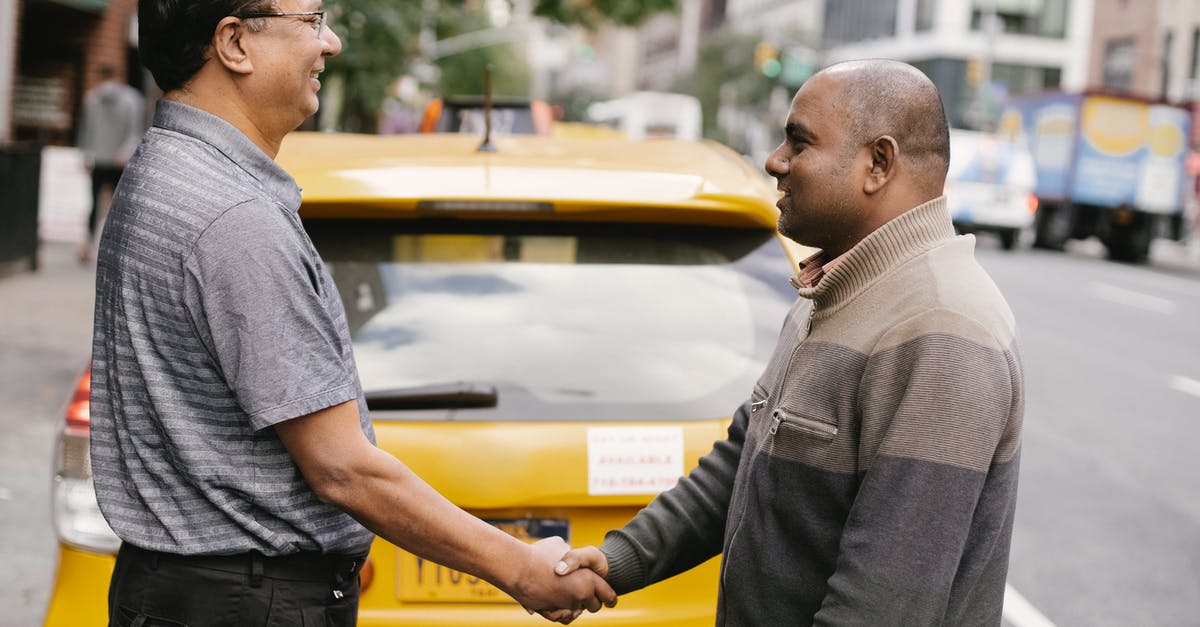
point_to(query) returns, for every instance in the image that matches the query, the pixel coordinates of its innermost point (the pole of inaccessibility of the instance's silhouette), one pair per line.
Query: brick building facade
(1126, 49)
(61, 46)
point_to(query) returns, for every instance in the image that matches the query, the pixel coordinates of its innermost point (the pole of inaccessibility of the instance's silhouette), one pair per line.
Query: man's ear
(228, 45)
(884, 151)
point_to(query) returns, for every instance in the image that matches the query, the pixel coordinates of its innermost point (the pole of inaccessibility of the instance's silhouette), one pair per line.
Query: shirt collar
(813, 269)
(187, 120)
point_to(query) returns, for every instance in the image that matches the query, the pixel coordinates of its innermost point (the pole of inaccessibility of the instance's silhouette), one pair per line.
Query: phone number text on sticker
(634, 460)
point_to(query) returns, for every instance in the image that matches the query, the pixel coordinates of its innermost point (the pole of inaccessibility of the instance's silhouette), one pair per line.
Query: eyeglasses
(315, 18)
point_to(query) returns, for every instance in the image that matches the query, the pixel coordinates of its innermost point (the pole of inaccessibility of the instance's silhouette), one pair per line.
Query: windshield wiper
(456, 395)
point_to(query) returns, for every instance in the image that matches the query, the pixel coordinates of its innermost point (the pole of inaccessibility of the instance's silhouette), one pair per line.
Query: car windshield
(563, 321)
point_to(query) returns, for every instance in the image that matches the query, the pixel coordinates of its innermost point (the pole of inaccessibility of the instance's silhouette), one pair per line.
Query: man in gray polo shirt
(231, 446)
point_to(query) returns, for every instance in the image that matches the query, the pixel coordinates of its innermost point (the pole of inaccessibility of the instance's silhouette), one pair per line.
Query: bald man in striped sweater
(871, 478)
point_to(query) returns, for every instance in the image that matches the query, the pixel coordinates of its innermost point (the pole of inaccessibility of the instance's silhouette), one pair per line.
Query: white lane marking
(1185, 385)
(1022, 613)
(1131, 298)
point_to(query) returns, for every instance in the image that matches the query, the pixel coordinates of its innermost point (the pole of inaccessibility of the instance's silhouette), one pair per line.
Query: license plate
(419, 580)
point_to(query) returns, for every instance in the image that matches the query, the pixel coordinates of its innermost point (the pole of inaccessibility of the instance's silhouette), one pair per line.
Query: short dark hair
(174, 35)
(887, 97)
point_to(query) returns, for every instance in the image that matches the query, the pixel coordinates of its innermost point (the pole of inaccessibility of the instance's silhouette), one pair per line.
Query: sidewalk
(1164, 254)
(1177, 256)
(45, 339)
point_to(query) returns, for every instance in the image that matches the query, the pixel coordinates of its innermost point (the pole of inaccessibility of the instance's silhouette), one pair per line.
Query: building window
(1041, 18)
(926, 12)
(949, 75)
(1120, 57)
(848, 21)
(1168, 43)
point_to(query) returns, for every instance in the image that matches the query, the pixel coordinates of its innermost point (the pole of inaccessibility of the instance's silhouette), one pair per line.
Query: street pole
(991, 24)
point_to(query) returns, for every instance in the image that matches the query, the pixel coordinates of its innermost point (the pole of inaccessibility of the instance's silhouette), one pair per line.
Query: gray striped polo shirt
(215, 320)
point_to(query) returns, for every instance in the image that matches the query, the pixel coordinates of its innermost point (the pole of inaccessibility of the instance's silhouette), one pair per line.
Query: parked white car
(990, 186)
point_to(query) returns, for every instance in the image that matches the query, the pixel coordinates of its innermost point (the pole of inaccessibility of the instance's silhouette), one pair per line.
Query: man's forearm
(683, 526)
(383, 494)
(392, 501)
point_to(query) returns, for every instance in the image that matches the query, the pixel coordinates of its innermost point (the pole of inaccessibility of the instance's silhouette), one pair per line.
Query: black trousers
(151, 589)
(102, 175)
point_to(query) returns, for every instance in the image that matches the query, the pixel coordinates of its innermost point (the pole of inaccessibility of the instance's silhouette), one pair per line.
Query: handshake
(559, 583)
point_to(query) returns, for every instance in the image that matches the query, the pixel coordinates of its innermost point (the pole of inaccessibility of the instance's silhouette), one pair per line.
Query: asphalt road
(1108, 523)
(1108, 520)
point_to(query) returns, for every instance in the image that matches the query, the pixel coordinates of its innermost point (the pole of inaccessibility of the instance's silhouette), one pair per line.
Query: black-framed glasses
(316, 18)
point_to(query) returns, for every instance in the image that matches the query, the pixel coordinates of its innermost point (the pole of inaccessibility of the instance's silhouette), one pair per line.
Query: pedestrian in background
(871, 478)
(231, 449)
(111, 127)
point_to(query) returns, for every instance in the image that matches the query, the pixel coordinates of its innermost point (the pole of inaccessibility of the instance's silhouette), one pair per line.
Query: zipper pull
(775, 420)
(757, 405)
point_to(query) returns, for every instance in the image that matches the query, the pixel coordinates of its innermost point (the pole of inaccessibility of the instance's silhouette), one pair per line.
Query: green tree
(725, 64)
(726, 75)
(382, 38)
(462, 73)
(593, 13)
(380, 41)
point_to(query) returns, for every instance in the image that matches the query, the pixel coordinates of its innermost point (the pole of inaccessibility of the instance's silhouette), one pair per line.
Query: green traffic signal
(771, 68)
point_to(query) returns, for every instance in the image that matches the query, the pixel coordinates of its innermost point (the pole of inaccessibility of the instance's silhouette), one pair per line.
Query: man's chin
(789, 231)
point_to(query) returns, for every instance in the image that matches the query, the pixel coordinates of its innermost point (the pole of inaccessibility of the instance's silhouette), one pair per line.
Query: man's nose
(333, 43)
(776, 165)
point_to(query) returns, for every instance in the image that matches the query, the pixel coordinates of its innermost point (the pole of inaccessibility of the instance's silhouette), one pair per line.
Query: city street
(1108, 519)
(1108, 523)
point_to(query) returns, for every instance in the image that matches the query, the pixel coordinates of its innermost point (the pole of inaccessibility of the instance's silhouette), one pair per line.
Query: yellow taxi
(550, 333)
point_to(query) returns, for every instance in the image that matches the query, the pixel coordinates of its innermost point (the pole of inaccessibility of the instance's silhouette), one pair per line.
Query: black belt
(307, 566)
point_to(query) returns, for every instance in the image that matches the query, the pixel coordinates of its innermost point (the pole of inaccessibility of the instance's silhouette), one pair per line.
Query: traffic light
(766, 59)
(799, 63)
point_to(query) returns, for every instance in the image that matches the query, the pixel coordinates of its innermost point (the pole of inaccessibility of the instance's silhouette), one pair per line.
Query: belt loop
(256, 569)
(154, 560)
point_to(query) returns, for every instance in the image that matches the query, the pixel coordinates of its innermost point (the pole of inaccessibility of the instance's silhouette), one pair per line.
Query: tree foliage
(381, 42)
(726, 76)
(593, 13)
(463, 73)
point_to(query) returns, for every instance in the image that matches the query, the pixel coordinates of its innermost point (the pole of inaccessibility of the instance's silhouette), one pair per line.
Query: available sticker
(634, 460)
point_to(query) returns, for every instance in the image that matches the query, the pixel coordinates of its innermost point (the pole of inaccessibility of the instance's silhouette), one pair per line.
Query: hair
(884, 97)
(174, 36)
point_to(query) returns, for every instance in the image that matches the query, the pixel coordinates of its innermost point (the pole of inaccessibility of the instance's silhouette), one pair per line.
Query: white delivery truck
(990, 185)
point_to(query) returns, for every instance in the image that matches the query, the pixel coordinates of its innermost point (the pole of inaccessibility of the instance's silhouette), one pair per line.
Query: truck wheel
(1130, 243)
(1053, 227)
(1008, 239)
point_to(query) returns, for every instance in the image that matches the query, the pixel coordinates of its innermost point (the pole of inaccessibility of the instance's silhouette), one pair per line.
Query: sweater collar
(904, 237)
(229, 141)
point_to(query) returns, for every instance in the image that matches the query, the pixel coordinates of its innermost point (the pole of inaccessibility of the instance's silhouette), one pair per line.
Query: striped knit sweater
(871, 479)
